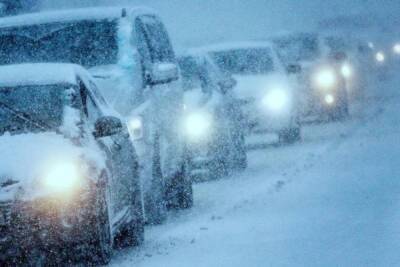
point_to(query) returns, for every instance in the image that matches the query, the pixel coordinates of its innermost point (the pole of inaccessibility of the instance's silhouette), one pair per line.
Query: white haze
(198, 22)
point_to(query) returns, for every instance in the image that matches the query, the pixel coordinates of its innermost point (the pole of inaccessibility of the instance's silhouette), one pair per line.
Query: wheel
(100, 242)
(179, 193)
(239, 161)
(155, 205)
(133, 233)
(219, 165)
(290, 136)
(341, 111)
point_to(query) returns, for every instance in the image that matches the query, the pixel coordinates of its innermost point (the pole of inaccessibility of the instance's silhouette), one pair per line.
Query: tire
(179, 193)
(341, 112)
(100, 242)
(154, 200)
(133, 233)
(290, 136)
(239, 161)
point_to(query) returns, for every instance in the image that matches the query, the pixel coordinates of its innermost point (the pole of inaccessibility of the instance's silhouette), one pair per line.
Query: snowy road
(332, 200)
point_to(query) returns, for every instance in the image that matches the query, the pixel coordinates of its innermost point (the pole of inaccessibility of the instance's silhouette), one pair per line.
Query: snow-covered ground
(331, 200)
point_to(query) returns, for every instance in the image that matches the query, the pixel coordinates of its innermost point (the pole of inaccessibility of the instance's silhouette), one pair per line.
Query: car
(129, 53)
(213, 120)
(69, 181)
(268, 96)
(323, 75)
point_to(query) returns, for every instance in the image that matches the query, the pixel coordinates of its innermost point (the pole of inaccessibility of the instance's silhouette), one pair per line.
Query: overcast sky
(196, 22)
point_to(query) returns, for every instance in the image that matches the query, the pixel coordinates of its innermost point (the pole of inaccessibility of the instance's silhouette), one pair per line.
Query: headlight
(276, 100)
(329, 99)
(198, 125)
(380, 57)
(346, 70)
(62, 177)
(371, 45)
(325, 79)
(135, 127)
(396, 49)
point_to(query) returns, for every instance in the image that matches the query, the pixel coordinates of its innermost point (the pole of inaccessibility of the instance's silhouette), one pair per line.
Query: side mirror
(107, 126)
(293, 68)
(227, 84)
(162, 73)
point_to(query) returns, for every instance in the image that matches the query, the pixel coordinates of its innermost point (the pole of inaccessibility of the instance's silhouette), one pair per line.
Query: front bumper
(259, 120)
(42, 225)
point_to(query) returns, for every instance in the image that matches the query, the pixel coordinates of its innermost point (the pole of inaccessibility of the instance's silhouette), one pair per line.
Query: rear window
(245, 61)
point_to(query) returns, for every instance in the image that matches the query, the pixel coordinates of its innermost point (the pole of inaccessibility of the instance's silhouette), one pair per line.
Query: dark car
(69, 183)
(213, 123)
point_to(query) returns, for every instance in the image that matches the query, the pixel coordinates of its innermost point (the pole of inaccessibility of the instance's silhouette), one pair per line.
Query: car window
(97, 94)
(194, 74)
(157, 40)
(245, 61)
(88, 43)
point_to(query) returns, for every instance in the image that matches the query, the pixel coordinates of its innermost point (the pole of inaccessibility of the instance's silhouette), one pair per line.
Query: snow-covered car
(212, 120)
(129, 53)
(69, 181)
(323, 75)
(269, 97)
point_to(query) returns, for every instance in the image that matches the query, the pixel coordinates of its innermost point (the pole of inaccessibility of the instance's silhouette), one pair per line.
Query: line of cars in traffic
(103, 128)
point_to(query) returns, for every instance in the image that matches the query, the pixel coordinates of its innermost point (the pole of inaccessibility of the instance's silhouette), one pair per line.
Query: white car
(325, 75)
(268, 96)
(129, 53)
(69, 180)
(213, 120)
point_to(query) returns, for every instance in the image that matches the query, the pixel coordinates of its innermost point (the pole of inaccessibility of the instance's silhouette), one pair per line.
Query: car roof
(230, 46)
(78, 14)
(41, 74)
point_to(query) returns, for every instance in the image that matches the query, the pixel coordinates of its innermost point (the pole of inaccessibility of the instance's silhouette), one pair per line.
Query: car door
(123, 183)
(165, 107)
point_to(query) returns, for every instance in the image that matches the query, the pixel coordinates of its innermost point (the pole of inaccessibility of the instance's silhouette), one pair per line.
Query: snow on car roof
(96, 13)
(231, 46)
(40, 74)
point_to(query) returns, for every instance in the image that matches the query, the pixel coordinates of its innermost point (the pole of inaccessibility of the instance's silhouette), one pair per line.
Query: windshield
(245, 61)
(298, 48)
(193, 76)
(31, 108)
(88, 43)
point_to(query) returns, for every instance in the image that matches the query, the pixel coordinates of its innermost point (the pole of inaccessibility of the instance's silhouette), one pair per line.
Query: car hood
(256, 86)
(27, 157)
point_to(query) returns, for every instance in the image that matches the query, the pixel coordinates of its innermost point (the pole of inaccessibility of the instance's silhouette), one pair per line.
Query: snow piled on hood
(28, 157)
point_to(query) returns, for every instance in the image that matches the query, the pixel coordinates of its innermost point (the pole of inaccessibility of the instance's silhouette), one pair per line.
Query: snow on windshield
(88, 43)
(245, 61)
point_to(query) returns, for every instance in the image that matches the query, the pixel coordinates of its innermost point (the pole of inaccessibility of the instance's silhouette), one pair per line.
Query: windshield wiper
(25, 117)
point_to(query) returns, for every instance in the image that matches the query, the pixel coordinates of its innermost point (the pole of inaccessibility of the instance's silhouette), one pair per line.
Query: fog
(193, 23)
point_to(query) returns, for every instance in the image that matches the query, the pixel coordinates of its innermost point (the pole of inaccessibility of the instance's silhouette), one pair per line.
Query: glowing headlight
(135, 127)
(346, 70)
(62, 177)
(276, 100)
(326, 79)
(396, 48)
(198, 125)
(380, 56)
(329, 99)
(371, 45)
